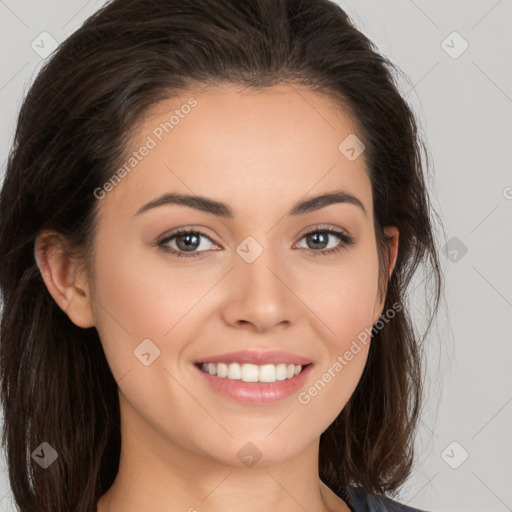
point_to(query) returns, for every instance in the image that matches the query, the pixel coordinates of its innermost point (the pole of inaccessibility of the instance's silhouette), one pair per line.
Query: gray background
(463, 100)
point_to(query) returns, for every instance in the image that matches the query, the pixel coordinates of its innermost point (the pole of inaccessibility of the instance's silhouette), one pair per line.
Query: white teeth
(222, 370)
(252, 372)
(234, 371)
(281, 371)
(267, 373)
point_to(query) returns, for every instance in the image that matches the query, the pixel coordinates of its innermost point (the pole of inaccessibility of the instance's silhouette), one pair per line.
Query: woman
(210, 217)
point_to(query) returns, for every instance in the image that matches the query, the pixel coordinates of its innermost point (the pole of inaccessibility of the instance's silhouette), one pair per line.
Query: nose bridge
(261, 292)
(259, 262)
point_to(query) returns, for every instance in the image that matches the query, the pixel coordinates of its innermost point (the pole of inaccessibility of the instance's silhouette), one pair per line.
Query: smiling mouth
(252, 372)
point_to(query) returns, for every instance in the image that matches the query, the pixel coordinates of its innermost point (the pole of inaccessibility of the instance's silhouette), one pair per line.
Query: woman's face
(264, 281)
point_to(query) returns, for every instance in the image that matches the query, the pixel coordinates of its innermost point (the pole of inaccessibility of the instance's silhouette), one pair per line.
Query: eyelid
(324, 227)
(187, 229)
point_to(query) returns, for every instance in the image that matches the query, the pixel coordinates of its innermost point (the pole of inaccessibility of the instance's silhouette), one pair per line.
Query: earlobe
(392, 235)
(63, 278)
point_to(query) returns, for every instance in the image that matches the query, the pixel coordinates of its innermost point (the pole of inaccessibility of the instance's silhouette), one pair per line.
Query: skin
(259, 152)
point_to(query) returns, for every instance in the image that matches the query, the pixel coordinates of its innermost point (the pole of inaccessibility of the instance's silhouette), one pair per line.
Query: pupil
(188, 243)
(315, 237)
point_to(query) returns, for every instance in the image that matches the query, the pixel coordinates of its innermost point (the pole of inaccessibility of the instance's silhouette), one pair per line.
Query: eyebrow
(220, 209)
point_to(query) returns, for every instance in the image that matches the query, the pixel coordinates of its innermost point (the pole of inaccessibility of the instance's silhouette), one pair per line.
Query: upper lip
(258, 358)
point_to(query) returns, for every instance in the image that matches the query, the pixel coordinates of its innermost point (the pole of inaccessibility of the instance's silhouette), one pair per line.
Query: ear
(65, 280)
(392, 235)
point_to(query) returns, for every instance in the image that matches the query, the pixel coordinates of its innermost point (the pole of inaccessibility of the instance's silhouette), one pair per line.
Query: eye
(187, 242)
(320, 236)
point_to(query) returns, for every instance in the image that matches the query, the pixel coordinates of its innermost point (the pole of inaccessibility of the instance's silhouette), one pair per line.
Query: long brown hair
(73, 130)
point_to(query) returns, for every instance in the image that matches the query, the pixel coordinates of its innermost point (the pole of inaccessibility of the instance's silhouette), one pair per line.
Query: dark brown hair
(73, 130)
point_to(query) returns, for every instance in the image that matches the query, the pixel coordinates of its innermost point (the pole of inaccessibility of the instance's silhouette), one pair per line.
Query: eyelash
(346, 241)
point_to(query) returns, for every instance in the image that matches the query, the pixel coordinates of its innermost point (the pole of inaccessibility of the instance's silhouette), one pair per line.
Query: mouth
(255, 376)
(248, 372)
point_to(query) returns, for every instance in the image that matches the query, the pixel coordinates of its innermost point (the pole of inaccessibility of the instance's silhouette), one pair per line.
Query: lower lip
(256, 392)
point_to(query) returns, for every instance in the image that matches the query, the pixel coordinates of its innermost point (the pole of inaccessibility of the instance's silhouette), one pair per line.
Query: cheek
(344, 295)
(346, 310)
(141, 295)
(136, 300)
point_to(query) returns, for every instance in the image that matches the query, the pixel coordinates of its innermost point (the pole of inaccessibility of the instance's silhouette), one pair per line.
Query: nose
(259, 293)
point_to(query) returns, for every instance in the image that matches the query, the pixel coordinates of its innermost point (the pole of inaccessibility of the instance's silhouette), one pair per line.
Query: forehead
(249, 148)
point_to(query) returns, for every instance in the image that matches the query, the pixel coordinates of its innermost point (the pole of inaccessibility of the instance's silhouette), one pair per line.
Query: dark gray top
(358, 501)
